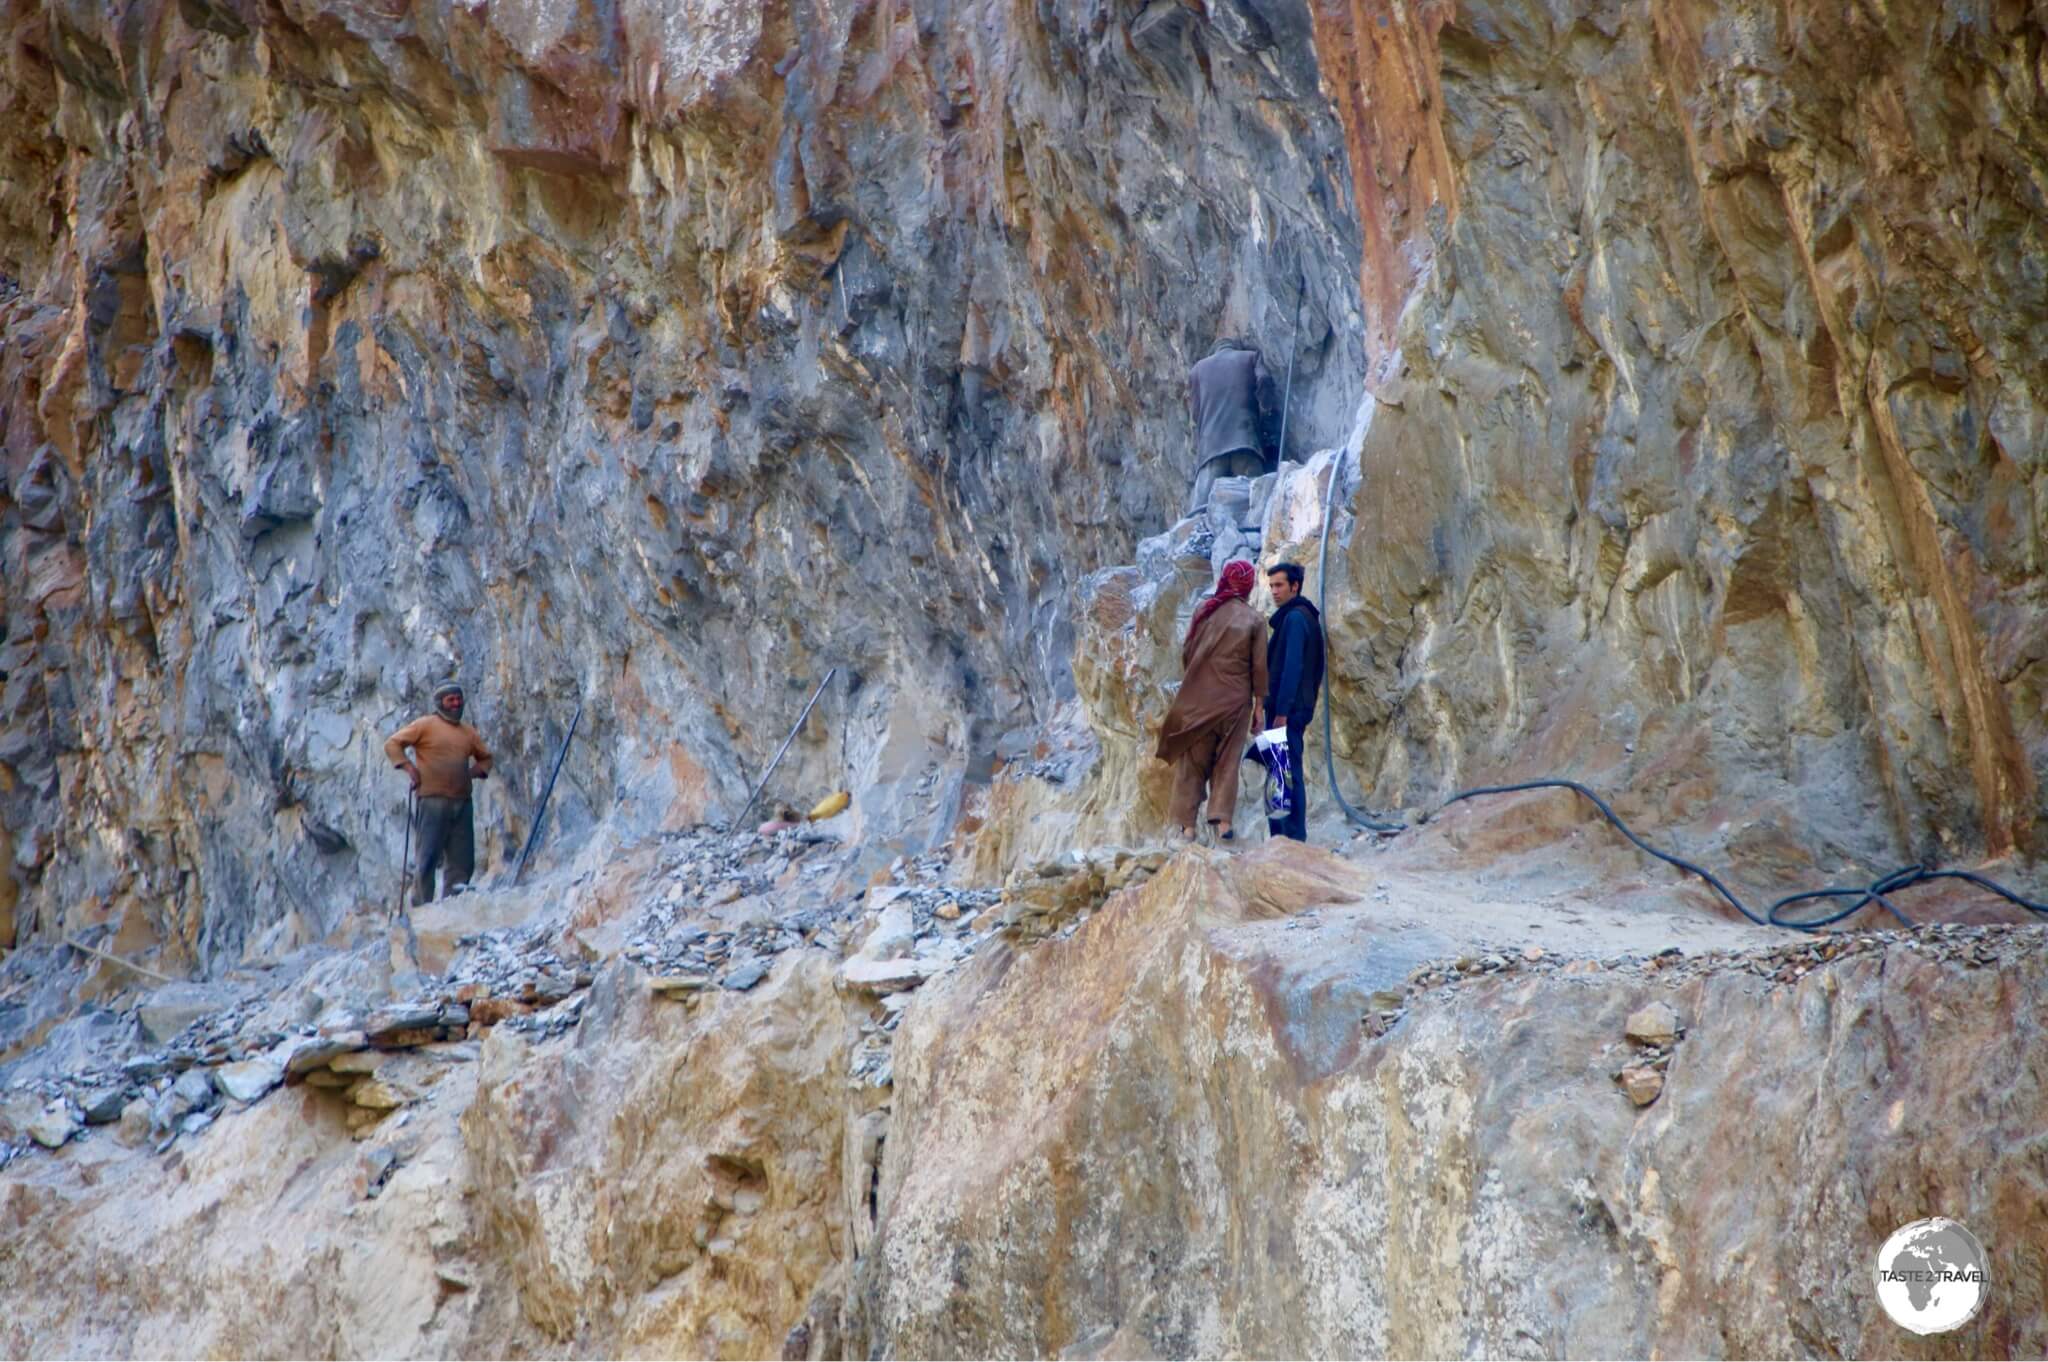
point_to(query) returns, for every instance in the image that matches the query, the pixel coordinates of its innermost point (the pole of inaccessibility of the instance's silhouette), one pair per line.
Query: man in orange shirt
(448, 754)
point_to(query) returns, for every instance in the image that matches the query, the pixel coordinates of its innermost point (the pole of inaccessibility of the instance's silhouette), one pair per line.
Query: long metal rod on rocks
(1293, 343)
(412, 798)
(533, 833)
(794, 729)
(78, 945)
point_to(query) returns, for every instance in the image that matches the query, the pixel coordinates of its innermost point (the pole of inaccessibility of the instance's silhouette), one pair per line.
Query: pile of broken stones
(228, 1060)
(201, 1050)
(1656, 1029)
(921, 931)
(1053, 897)
(916, 928)
(212, 1049)
(731, 905)
(767, 893)
(206, 1050)
(1970, 945)
(918, 933)
(190, 1052)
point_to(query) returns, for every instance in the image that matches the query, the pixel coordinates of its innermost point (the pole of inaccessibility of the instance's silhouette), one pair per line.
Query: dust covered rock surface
(1277, 1101)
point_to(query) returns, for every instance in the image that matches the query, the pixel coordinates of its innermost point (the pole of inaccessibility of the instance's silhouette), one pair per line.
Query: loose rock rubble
(728, 906)
(1976, 946)
(1969, 945)
(228, 1058)
(910, 926)
(918, 931)
(512, 974)
(1654, 1029)
(730, 877)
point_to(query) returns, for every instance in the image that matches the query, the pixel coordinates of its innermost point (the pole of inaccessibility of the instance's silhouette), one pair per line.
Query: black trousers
(447, 843)
(1295, 824)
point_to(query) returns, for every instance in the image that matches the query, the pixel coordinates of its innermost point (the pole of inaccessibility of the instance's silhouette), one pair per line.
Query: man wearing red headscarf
(1223, 676)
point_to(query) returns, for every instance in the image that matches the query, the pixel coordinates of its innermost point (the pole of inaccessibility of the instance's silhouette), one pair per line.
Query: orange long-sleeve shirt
(443, 750)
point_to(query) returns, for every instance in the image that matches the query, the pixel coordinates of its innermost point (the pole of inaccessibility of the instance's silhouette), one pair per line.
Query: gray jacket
(1225, 394)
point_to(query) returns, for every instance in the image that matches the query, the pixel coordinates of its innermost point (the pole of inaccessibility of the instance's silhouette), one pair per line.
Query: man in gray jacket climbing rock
(1294, 666)
(1229, 396)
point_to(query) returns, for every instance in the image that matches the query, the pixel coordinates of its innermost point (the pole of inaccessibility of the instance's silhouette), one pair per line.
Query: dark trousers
(447, 843)
(1295, 824)
(1239, 463)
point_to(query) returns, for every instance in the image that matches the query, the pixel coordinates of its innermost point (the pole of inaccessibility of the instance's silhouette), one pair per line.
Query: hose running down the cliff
(1905, 877)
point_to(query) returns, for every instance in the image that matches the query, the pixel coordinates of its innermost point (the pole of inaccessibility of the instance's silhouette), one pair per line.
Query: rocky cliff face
(1701, 457)
(1707, 456)
(1206, 1155)
(1672, 370)
(664, 367)
(659, 357)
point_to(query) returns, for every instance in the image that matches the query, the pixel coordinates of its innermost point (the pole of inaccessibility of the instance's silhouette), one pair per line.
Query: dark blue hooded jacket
(1294, 663)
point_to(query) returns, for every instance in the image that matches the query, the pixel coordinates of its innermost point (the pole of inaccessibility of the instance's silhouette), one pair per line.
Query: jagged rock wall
(1707, 459)
(1666, 481)
(596, 359)
(1701, 457)
(658, 356)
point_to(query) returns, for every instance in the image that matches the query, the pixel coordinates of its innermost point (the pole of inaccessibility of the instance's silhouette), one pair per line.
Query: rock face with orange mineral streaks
(1674, 368)
(1700, 460)
(658, 356)
(1706, 460)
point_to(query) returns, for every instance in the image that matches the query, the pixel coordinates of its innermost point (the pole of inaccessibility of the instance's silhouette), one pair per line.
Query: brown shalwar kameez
(1223, 671)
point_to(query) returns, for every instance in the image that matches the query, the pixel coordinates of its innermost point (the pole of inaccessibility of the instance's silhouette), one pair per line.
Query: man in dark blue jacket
(1294, 668)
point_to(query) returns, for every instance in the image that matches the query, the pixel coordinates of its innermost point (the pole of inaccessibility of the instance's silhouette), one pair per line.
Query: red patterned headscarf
(1234, 585)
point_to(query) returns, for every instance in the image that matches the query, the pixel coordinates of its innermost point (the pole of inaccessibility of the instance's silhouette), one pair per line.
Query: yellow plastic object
(828, 806)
